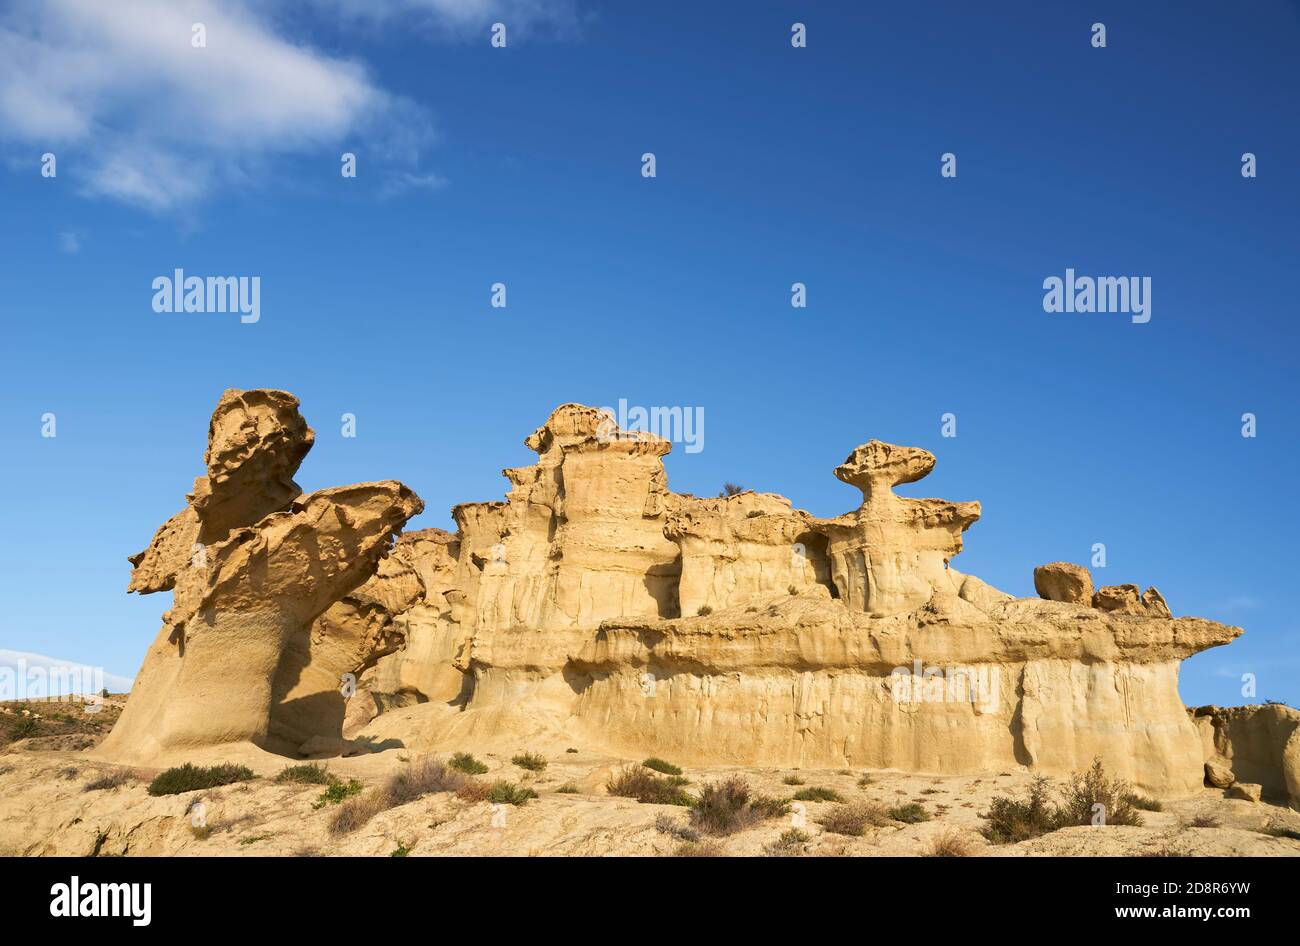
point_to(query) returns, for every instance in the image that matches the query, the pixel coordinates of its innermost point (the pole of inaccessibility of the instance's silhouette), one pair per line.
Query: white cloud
(70, 241)
(156, 122)
(28, 676)
(461, 16)
(402, 181)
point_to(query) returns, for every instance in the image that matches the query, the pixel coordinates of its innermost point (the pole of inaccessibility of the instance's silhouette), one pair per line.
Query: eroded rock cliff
(593, 605)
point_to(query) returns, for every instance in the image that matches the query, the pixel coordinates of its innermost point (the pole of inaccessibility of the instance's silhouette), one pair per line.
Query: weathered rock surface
(264, 564)
(1254, 745)
(594, 606)
(1062, 581)
(1128, 599)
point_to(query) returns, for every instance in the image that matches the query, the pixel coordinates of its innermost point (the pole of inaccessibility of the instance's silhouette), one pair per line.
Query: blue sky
(774, 165)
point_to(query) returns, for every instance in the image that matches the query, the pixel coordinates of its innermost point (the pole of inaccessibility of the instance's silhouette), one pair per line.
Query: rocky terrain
(597, 618)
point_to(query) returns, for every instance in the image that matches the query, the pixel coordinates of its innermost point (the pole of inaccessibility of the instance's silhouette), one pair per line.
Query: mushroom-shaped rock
(876, 464)
(891, 554)
(1063, 581)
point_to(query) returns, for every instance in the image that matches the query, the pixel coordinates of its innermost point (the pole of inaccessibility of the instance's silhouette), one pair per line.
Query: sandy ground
(45, 810)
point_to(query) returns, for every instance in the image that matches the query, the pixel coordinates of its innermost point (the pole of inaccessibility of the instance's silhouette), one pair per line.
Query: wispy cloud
(1241, 603)
(157, 122)
(70, 241)
(462, 17)
(400, 182)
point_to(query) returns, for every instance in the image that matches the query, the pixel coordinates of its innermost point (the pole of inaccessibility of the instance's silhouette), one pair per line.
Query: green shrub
(530, 761)
(401, 850)
(310, 774)
(338, 792)
(704, 611)
(1011, 820)
(508, 793)
(659, 765)
(23, 728)
(817, 794)
(568, 788)
(189, 778)
(789, 844)
(464, 762)
(911, 813)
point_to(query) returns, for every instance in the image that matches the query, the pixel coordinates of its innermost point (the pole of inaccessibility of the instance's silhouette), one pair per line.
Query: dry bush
(1205, 821)
(854, 818)
(636, 781)
(1145, 803)
(699, 849)
(355, 812)
(412, 783)
(951, 844)
(473, 791)
(729, 806)
(1092, 788)
(667, 824)
(109, 780)
(422, 778)
(791, 843)
(1011, 820)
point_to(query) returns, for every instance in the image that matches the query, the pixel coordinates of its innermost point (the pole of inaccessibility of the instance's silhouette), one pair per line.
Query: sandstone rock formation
(1062, 581)
(1252, 745)
(595, 606)
(252, 564)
